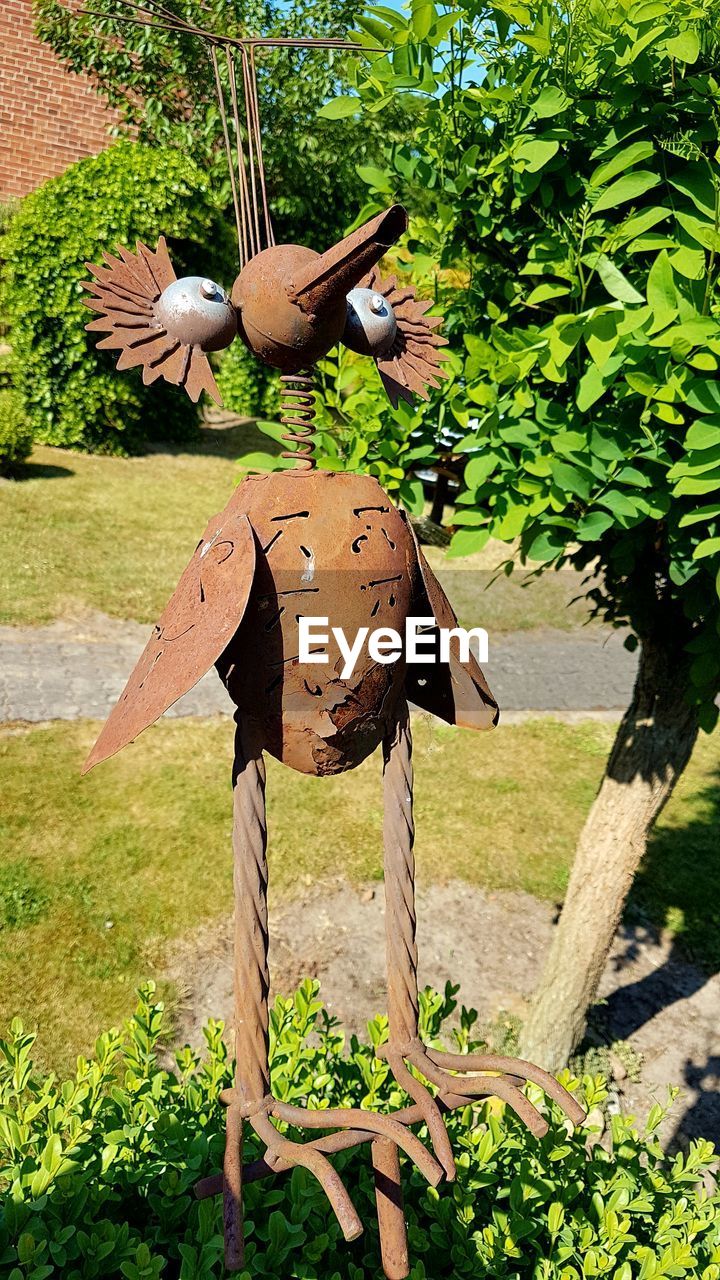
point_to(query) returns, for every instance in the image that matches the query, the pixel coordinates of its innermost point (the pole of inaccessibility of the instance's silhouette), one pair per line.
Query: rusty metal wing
(201, 618)
(456, 692)
(415, 360)
(126, 291)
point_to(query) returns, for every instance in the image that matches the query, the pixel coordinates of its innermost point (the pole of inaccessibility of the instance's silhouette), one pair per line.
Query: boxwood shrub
(71, 392)
(15, 433)
(96, 1172)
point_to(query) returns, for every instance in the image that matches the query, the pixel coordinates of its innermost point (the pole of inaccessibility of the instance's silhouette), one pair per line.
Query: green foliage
(564, 161)
(356, 430)
(163, 87)
(7, 209)
(22, 897)
(15, 434)
(71, 392)
(247, 387)
(98, 1171)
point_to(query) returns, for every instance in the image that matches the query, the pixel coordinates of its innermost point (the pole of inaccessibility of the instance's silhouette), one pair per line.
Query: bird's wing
(199, 621)
(415, 360)
(125, 291)
(458, 691)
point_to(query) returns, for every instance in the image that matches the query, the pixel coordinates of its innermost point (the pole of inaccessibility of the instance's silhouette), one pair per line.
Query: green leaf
(617, 285)
(479, 469)
(621, 162)
(536, 153)
(703, 395)
(340, 108)
(661, 293)
(570, 479)
(551, 101)
(630, 187)
(685, 47)
(619, 503)
(593, 525)
(422, 19)
(548, 545)
(378, 179)
(592, 385)
(467, 541)
(696, 183)
(544, 292)
(601, 336)
(708, 547)
(704, 434)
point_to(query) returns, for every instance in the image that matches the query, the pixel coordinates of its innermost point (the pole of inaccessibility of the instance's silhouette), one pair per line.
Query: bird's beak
(334, 273)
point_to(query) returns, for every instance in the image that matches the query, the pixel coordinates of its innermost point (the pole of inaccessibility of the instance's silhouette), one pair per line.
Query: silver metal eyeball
(371, 326)
(197, 312)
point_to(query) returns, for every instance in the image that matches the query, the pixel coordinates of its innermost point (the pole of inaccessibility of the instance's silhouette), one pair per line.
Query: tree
(564, 162)
(162, 86)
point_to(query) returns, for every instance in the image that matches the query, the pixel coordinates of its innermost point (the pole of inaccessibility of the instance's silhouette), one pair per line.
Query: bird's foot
(461, 1078)
(283, 1153)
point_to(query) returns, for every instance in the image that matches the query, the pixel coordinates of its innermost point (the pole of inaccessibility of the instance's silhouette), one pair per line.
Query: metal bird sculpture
(292, 544)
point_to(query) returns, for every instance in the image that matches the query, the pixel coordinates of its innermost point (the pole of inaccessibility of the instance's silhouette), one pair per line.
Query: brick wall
(49, 117)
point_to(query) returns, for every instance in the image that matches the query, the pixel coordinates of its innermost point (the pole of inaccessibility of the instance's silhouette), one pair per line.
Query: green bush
(7, 210)
(97, 1172)
(72, 393)
(247, 387)
(15, 434)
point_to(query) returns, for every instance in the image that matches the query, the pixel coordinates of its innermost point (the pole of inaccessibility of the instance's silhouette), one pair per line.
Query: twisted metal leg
(405, 1046)
(251, 1099)
(390, 1212)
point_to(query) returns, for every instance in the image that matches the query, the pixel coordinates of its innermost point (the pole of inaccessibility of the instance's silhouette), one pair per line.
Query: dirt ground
(493, 944)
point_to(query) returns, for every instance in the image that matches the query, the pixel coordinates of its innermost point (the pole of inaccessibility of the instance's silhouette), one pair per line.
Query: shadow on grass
(226, 436)
(40, 471)
(676, 889)
(677, 884)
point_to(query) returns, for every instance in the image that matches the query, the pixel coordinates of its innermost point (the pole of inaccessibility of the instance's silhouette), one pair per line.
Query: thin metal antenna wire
(242, 250)
(249, 116)
(242, 170)
(266, 207)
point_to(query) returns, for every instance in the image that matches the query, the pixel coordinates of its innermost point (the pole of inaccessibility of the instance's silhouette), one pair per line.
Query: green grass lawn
(101, 873)
(79, 532)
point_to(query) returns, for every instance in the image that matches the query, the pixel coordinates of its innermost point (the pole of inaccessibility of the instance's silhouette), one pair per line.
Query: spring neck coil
(297, 410)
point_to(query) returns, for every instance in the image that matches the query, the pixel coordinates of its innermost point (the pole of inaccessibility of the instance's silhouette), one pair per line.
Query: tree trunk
(439, 497)
(651, 749)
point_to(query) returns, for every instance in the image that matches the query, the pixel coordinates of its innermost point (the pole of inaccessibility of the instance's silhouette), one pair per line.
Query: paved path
(73, 669)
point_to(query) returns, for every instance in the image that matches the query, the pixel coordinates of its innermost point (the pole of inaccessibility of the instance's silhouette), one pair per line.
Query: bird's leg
(404, 1046)
(251, 1099)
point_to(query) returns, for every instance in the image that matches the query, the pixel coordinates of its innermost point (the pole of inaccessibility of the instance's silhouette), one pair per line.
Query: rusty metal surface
(273, 327)
(293, 544)
(201, 617)
(390, 1210)
(414, 360)
(298, 393)
(159, 324)
(315, 285)
(291, 302)
(457, 692)
(329, 545)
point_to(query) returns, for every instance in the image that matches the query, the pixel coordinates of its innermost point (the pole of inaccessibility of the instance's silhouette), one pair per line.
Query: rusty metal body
(311, 543)
(293, 544)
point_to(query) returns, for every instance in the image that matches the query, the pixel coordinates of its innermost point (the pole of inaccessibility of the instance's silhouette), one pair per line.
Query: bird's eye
(371, 326)
(197, 312)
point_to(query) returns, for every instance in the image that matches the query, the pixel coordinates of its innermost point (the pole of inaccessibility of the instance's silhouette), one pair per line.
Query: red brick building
(49, 117)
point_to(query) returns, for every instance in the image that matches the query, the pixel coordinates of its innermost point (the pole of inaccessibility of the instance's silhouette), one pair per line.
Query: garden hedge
(96, 1172)
(71, 392)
